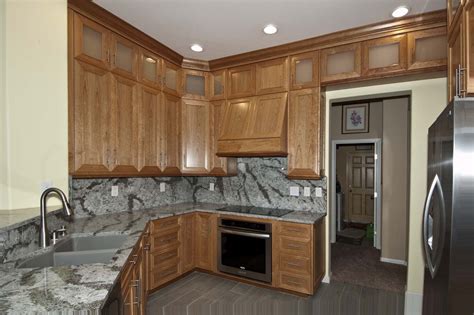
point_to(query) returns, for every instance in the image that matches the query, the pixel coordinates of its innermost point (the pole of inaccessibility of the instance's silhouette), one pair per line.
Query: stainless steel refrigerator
(448, 216)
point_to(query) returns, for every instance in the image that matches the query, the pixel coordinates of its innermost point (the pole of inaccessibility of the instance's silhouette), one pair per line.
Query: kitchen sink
(77, 251)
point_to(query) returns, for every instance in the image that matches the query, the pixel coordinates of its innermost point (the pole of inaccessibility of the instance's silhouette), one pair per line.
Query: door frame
(377, 142)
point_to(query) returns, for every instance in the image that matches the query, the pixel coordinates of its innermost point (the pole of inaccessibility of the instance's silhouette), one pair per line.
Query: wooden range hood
(255, 126)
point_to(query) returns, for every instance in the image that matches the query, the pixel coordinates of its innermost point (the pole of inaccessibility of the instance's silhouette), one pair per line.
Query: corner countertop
(86, 287)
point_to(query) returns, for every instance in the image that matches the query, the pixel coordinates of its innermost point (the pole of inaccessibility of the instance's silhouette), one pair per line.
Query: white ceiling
(229, 27)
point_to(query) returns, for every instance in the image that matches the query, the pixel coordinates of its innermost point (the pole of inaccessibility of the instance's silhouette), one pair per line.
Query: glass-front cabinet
(195, 84)
(150, 69)
(304, 70)
(427, 48)
(341, 62)
(217, 85)
(124, 57)
(384, 55)
(171, 79)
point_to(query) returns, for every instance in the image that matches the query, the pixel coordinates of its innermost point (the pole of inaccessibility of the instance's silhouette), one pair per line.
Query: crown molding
(195, 64)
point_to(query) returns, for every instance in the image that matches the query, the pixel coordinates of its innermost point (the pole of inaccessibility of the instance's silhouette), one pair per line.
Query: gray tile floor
(200, 293)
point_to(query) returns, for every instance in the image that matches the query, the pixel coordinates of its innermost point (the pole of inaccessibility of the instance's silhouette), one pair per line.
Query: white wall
(428, 100)
(3, 125)
(36, 100)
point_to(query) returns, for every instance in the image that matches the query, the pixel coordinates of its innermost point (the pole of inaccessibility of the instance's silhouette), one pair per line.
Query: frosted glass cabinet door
(195, 84)
(150, 66)
(384, 55)
(305, 70)
(124, 57)
(427, 48)
(91, 42)
(217, 85)
(339, 63)
(171, 75)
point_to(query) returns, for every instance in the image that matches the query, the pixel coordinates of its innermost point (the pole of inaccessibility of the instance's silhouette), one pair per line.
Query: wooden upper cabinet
(219, 166)
(91, 42)
(171, 75)
(195, 137)
(124, 126)
(384, 55)
(427, 48)
(236, 119)
(341, 62)
(469, 44)
(304, 70)
(217, 85)
(455, 59)
(305, 134)
(90, 120)
(454, 8)
(268, 117)
(150, 69)
(241, 81)
(124, 58)
(195, 84)
(149, 135)
(272, 76)
(171, 135)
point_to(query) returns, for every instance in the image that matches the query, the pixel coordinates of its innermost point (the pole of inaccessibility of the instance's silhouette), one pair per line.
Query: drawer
(295, 283)
(296, 230)
(295, 246)
(163, 241)
(295, 264)
(159, 226)
(169, 257)
(159, 277)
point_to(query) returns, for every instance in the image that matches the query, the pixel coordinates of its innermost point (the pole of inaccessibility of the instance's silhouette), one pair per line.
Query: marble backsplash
(260, 182)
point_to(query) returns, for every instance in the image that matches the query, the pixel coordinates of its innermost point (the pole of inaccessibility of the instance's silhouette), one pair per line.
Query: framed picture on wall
(355, 118)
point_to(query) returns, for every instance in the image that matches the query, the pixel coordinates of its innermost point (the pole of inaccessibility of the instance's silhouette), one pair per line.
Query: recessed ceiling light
(196, 48)
(400, 11)
(270, 29)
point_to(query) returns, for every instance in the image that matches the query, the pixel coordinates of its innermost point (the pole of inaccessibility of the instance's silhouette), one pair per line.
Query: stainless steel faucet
(67, 210)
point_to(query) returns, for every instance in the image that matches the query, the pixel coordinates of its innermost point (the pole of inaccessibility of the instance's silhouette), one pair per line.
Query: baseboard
(393, 261)
(413, 303)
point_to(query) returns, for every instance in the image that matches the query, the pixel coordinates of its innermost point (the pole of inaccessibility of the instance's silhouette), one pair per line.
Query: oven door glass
(243, 252)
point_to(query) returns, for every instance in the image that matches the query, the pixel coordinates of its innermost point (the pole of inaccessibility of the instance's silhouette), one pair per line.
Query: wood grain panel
(206, 234)
(241, 81)
(171, 135)
(188, 227)
(219, 166)
(217, 85)
(272, 76)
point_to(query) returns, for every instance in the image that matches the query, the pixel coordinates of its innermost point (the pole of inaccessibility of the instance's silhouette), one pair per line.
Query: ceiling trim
(358, 34)
(109, 20)
(195, 64)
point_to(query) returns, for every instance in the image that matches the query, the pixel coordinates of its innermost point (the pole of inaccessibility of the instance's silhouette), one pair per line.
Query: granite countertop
(85, 287)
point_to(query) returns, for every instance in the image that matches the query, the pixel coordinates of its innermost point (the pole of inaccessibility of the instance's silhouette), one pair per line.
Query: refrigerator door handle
(433, 262)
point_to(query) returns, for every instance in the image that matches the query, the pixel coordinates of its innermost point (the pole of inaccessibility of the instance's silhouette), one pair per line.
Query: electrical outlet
(211, 186)
(47, 183)
(114, 191)
(294, 191)
(162, 187)
(307, 191)
(319, 192)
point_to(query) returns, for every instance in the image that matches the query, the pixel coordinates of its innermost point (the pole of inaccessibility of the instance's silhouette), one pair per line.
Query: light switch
(211, 186)
(294, 191)
(319, 192)
(162, 187)
(307, 191)
(114, 191)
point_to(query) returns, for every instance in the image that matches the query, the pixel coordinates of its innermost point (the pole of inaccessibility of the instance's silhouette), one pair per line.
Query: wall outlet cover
(307, 191)
(162, 187)
(114, 192)
(211, 186)
(294, 191)
(319, 192)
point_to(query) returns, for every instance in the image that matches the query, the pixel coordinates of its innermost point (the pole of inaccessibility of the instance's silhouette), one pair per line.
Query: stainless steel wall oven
(245, 249)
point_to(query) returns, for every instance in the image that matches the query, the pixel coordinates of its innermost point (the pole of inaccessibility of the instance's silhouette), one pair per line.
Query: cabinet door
(149, 137)
(384, 55)
(170, 135)
(305, 134)
(454, 11)
(171, 78)
(455, 57)
(267, 118)
(206, 231)
(195, 137)
(236, 119)
(150, 69)
(195, 85)
(187, 245)
(90, 120)
(272, 76)
(91, 42)
(219, 166)
(341, 63)
(427, 48)
(124, 57)
(241, 81)
(469, 47)
(217, 85)
(304, 70)
(124, 127)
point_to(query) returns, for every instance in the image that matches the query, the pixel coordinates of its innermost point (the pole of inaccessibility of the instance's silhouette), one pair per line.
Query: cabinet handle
(115, 59)
(462, 74)
(107, 56)
(133, 261)
(147, 247)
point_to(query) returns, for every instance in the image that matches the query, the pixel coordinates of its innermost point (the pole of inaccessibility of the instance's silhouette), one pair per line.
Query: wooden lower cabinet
(188, 226)
(206, 237)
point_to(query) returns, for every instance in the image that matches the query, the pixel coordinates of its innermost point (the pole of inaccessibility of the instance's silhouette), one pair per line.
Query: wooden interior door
(360, 179)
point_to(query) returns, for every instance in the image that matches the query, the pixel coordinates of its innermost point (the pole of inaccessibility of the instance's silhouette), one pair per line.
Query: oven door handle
(256, 235)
